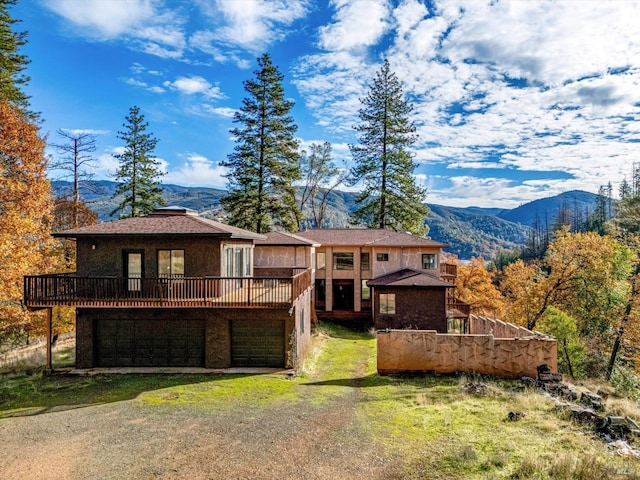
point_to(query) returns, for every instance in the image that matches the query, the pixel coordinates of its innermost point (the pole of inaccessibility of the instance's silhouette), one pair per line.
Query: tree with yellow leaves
(474, 285)
(25, 205)
(584, 274)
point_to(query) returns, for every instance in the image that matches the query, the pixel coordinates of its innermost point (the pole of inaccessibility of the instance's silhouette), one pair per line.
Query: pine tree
(390, 197)
(265, 160)
(139, 171)
(12, 63)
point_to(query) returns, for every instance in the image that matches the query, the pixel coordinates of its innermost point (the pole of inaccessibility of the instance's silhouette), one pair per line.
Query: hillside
(471, 231)
(547, 209)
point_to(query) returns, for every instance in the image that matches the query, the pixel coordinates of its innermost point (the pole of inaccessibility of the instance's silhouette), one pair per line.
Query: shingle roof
(368, 236)
(168, 221)
(408, 277)
(285, 239)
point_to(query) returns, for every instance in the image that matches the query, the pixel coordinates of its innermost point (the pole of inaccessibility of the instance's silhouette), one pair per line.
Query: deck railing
(182, 292)
(449, 270)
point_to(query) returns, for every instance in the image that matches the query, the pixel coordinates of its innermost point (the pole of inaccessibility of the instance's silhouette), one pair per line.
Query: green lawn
(431, 422)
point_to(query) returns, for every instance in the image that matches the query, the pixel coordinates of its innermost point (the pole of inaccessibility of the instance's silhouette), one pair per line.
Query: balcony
(44, 291)
(448, 272)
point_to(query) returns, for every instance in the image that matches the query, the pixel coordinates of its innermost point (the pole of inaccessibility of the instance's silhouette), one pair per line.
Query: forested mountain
(471, 231)
(545, 210)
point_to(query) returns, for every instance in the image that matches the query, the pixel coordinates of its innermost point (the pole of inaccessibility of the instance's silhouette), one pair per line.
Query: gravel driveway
(290, 438)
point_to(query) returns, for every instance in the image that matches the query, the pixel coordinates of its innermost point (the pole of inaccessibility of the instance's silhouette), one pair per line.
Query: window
(366, 291)
(239, 264)
(382, 257)
(320, 260)
(388, 303)
(429, 261)
(170, 263)
(343, 261)
(247, 262)
(364, 261)
(229, 254)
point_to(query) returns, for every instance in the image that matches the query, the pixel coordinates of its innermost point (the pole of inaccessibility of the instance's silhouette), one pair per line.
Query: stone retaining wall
(429, 351)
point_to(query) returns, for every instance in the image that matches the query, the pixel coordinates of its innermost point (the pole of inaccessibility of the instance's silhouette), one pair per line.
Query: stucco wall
(497, 328)
(302, 313)
(282, 256)
(429, 351)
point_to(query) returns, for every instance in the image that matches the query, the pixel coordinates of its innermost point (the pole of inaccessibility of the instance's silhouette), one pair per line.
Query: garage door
(257, 343)
(149, 343)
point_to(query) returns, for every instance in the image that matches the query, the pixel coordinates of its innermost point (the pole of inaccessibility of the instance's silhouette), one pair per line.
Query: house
(410, 299)
(175, 289)
(358, 274)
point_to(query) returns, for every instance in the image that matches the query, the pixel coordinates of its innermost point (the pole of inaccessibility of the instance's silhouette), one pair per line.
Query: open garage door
(149, 343)
(258, 343)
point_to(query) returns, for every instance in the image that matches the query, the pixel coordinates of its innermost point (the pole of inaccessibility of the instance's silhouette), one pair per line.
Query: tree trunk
(625, 319)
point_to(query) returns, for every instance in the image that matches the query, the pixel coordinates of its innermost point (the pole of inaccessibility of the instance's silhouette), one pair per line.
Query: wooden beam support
(48, 369)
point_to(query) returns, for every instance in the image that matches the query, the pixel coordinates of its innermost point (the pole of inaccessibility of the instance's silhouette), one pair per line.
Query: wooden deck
(207, 292)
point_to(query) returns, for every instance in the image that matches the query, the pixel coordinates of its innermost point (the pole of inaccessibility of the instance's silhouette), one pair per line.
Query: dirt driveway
(312, 432)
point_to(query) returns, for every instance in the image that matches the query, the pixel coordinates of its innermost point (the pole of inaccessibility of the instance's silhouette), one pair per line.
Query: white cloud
(105, 17)
(358, 23)
(225, 112)
(195, 85)
(197, 171)
(146, 25)
(240, 27)
(85, 131)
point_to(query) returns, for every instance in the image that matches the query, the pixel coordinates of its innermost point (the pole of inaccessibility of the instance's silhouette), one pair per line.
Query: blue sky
(513, 100)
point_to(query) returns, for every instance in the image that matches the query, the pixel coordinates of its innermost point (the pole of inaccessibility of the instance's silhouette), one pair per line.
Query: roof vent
(174, 210)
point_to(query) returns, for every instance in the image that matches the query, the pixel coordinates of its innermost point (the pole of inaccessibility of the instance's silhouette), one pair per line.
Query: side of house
(175, 289)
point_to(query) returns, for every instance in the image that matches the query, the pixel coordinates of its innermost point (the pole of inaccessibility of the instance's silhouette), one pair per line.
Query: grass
(432, 423)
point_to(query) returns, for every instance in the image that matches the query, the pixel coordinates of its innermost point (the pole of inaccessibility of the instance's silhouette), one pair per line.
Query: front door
(133, 264)
(343, 295)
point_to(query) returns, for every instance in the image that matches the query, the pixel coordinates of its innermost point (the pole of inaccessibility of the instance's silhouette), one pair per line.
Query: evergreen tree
(390, 197)
(12, 63)
(139, 171)
(265, 161)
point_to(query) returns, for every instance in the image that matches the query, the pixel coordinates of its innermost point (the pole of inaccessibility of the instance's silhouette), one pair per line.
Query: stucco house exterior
(357, 272)
(175, 289)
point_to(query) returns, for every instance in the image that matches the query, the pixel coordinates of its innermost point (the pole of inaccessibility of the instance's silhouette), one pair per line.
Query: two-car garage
(214, 339)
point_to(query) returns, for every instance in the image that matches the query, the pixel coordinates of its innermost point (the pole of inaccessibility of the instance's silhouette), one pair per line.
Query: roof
(376, 237)
(408, 277)
(163, 221)
(284, 239)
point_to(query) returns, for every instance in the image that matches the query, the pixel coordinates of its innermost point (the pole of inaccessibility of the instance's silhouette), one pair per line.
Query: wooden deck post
(48, 370)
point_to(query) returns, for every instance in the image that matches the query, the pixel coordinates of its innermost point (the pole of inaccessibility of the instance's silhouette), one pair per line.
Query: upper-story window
(429, 261)
(320, 260)
(343, 261)
(247, 262)
(382, 257)
(238, 261)
(364, 261)
(170, 263)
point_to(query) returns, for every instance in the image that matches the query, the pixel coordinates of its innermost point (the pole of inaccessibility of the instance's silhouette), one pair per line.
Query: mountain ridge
(470, 231)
